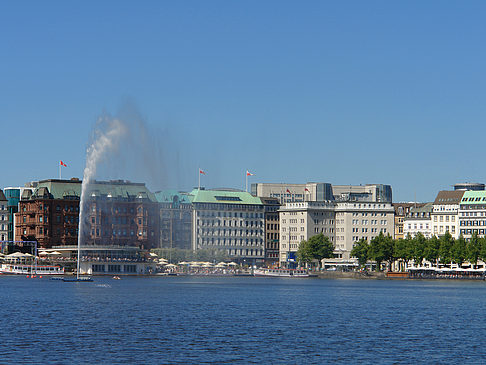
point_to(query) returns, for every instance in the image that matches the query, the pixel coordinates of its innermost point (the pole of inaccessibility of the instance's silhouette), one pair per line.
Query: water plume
(105, 141)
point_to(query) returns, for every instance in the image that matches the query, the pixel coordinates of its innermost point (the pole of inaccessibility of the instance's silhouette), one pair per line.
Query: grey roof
(2, 196)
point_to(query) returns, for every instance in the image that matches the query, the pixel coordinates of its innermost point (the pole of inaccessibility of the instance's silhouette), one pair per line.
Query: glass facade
(13, 198)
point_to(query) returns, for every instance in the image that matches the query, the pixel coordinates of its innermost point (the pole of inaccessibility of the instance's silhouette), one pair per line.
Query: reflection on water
(241, 320)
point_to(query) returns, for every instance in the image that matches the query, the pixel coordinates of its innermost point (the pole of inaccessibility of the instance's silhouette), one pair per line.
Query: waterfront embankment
(350, 275)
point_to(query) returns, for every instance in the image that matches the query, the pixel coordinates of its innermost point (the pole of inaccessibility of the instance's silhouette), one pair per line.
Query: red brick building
(118, 213)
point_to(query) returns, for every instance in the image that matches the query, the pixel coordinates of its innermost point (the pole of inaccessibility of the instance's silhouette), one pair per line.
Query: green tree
(318, 247)
(360, 251)
(482, 249)
(431, 252)
(459, 251)
(446, 242)
(381, 249)
(419, 243)
(303, 253)
(403, 250)
(473, 248)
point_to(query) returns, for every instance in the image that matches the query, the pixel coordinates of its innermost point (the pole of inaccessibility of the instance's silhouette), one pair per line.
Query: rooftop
(223, 196)
(474, 197)
(448, 197)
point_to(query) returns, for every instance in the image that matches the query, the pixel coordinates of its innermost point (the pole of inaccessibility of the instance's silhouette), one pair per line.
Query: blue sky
(345, 92)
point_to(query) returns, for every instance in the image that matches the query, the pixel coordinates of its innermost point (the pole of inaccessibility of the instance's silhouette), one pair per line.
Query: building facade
(472, 214)
(117, 213)
(3, 217)
(175, 219)
(272, 230)
(287, 193)
(445, 213)
(300, 221)
(361, 220)
(401, 210)
(231, 221)
(418, 220)
(363, 193)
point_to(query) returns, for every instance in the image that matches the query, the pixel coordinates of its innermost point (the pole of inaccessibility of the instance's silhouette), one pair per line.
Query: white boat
(286, 273)
(23, 269)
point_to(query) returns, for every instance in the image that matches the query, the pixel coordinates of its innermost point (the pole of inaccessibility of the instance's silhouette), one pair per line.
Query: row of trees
(444, 250)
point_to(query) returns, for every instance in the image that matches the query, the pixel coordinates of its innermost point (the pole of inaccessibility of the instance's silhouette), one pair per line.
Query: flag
(202, 172)
(288, 191)
(63, 164)
(248, 173)
(307, 190)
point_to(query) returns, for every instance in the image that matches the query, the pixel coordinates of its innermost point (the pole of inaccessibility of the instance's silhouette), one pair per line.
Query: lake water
(241, 320)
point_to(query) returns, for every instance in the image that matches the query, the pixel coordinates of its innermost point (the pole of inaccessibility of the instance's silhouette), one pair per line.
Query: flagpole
(199, 182)
(60, 171)
(246, 186)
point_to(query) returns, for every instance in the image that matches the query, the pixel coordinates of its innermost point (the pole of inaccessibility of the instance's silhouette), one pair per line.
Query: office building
(288, 193)
(231, 221)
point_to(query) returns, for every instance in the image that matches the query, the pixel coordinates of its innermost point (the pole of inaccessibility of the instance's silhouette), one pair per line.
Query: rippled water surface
(241, 320)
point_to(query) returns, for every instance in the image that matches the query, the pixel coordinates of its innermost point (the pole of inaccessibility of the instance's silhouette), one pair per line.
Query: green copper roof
(224, 197)
(474, 197)
(167, 196)
(61, 189)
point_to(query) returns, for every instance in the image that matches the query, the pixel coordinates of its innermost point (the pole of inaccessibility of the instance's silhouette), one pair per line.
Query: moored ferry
(21, 269)
(286, 273)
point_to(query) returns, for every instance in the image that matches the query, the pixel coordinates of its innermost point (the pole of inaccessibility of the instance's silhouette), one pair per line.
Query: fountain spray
(106, 139)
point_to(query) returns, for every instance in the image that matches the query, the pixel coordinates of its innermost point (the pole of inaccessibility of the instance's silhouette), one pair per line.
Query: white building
(361, 220)
(418, 219)
(445, 213)
(301, 221)
(228, 220)
(472, 214)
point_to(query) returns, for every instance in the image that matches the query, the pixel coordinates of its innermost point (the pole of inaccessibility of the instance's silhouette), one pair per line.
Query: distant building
(445, 213)
(418, 220)
(175, 219)
(229, 220)
(288, 193)
(272, 230)
(363, 193)
(13, 195)
(472, 214)
(401, 210)
(361, 220)
(470, 186)
(300, 221)
(3, 217)
(118, 213)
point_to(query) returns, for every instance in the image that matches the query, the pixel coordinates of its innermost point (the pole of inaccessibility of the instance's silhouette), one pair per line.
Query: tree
(318, 247)
(360, 251)
(303, 253)
(381, 249)
(403, 249)
(431, 252)
(419, 243)
(458, 250)
(473, 248)
(445, 246)
(482, 249)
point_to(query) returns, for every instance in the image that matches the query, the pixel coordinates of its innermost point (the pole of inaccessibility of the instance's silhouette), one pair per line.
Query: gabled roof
(448, 197)
(2, 196)
(223, 197)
